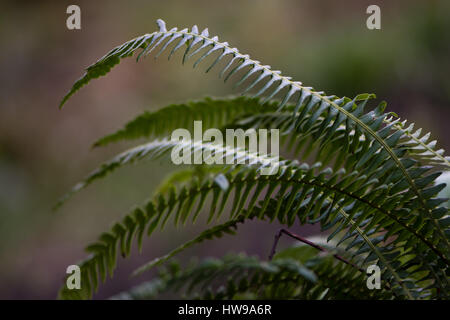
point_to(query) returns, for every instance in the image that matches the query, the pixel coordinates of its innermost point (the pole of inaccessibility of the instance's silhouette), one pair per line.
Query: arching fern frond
(159, 148)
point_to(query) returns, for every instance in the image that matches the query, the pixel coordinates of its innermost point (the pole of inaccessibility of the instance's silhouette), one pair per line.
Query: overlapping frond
(240, 276)
(336, 200)
(224, 279)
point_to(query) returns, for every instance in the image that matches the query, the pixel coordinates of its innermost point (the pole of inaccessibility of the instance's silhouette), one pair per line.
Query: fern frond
(214, 113)
(401, 265)
(285, 277)
(238, 272)
(159, 148)
(303, 194)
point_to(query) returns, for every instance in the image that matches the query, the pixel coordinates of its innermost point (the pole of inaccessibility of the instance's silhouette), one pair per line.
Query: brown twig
(316, 246)
(301, 239)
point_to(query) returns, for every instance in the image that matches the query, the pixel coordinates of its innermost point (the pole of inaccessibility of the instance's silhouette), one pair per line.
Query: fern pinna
(369, 183)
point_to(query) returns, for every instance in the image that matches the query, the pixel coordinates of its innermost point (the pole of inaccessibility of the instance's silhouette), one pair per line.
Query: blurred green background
(44, 151)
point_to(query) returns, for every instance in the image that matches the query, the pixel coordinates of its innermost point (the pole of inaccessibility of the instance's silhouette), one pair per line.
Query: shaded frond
(237, 276)
(160, 148)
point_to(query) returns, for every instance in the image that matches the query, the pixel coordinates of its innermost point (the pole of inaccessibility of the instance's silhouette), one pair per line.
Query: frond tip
(206, 44)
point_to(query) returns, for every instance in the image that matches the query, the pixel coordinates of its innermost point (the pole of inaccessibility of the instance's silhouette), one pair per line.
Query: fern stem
(310, 243)
(320, 248)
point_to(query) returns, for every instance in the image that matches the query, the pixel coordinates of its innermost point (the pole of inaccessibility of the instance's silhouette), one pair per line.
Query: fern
(371, 185)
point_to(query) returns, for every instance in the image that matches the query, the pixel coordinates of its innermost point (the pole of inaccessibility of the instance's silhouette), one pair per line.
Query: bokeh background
(44, 151)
